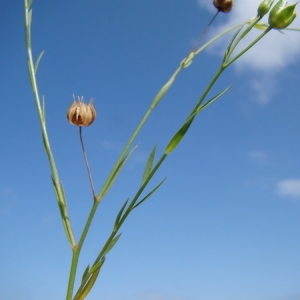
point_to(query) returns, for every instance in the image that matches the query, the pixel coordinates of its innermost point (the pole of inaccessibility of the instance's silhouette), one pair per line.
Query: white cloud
(273, 53)
(264, 87)
(257, 155)
(289, 188)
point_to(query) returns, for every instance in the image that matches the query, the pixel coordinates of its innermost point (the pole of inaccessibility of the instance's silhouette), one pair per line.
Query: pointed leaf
(231, 47)
(149, 164)
(148, 195)
(213, 99)
(176, 139)
(80, 295)
(116, 173)
(97, 265)
(28, 3)
(38, 61)
(120, 213)
(261, 26)
(28, 24)
(182, 131)
(111, 245)
(86, 271)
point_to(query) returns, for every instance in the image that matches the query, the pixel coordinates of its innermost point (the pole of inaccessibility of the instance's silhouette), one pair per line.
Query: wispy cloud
(257, 155)
(273, 53)
(289, 188)
(264, 87)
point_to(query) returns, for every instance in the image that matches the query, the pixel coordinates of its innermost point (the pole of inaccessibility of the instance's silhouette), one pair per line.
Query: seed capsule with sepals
(282, 15)
(81, 114)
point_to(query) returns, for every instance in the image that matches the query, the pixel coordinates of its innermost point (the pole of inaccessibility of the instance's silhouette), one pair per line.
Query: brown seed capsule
(81, 114)
(223, 5)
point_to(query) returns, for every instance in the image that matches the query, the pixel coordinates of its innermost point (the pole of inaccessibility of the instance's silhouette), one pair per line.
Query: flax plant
(81, 114)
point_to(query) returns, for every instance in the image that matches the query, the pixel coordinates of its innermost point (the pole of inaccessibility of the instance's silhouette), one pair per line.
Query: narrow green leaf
(28, 24)
(28, 3)
(261, 26)
(120, 213)
(117, 172)
(97, 265)
(111, 245)
(213, 99)
(62, 208)
(38, 61)
(163, 91)
(85, 277)
(148, 195)
(86, 271)
(231, 47)
(176, 139)
(182, 131)
(80, 295)
(149, 164)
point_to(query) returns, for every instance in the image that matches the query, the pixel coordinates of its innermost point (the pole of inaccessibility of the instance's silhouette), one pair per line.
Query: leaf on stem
(28, 3)
(149, 164)
(87, 274)
(176, 139)
(86, 271)
(115, 174)
(163, 91)
(149, 194)
(29, 18)
(231, 47)
(213, 99)
(111, 245)
(38, 61)
(120, 213)
(261, 26)
(81, 294)
(179, 135)
(97, 265)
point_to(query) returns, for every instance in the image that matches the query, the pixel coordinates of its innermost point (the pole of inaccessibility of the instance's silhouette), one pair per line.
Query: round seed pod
(223, 5)
(81, 114)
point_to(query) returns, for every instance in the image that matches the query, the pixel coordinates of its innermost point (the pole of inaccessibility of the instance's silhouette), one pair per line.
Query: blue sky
(224, 226)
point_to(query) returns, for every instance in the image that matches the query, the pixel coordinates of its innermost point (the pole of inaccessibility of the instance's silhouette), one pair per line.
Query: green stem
(130, 207)
(228, 63)
(161, 93)
(77, 250)
(55, 177)
(87, 163)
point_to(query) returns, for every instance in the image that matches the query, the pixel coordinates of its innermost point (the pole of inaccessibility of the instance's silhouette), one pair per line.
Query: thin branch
(87, 163)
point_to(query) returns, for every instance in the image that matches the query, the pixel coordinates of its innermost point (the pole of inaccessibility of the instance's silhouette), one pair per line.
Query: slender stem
(243, 34)
(154, 103)
(218, 36)
(32, 69)
(77, 250)
(226, 64)
(203, 33)
(87, 163)
(130, 207)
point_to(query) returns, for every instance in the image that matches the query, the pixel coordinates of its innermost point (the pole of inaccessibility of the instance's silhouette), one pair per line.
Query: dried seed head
(81, 114)
(223, 5)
